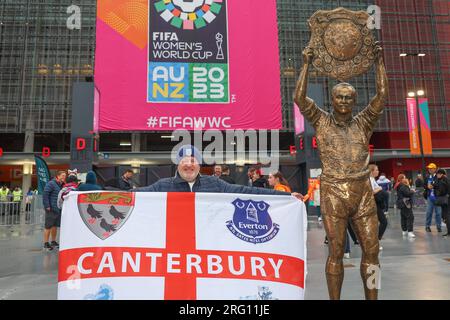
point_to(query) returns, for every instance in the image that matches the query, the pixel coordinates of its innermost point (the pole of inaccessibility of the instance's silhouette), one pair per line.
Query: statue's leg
(335, 219)
(365, 223)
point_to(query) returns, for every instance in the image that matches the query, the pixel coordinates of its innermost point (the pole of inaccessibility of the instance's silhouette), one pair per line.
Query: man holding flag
(189, 179)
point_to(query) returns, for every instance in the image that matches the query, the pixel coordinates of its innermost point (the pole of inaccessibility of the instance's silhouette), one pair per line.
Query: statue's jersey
(343, 146)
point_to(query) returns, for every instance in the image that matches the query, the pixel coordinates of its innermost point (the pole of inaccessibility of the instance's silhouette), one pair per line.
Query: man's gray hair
(343, 84)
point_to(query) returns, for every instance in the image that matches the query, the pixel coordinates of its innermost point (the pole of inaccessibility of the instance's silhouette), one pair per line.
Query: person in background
(250, 172)
(4, 192)
(404, 203)
(52, 212)
(258, 180)
(314, 196)
(90, 184)
(347, 246)
(72, 172)
(278, 182)
(71, 184)
(385, 184)
(419, 184)
(419, 181)
(17, 198)
(28, 200)
(431, 198)
(226, 175)
(217, 170)
(380, 196)
(125, 182)
(442, 191)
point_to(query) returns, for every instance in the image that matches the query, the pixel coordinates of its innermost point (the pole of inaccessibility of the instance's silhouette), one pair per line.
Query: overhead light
(411, 94)
(403, 54)
(125, 144)
(167, 137)
(420, 93)
(421, 54)
(233, 143)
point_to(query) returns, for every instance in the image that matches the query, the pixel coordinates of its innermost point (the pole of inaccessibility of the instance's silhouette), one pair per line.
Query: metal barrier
(13, 213)
(9, 213)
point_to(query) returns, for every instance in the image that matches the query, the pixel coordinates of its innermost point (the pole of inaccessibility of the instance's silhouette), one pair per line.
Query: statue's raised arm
(306, 105)
(378, 102)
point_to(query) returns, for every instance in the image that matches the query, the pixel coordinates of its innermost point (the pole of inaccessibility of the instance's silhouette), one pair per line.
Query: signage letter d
(81, 144)
(46, 152)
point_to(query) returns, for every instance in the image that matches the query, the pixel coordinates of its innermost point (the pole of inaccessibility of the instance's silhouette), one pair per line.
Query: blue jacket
(207, 184)
(50, 196)
(91, 183)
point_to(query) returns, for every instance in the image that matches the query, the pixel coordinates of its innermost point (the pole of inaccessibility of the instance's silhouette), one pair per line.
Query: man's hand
(48, 209)
(308, 55)
(297, 195)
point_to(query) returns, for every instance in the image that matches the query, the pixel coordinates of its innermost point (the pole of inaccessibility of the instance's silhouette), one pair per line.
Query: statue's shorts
(343, 201)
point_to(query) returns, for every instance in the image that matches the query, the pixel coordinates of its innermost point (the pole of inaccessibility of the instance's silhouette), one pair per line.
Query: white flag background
(119, 245)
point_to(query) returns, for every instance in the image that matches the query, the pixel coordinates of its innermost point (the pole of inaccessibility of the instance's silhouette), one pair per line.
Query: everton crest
(252, 222)
(104, 213)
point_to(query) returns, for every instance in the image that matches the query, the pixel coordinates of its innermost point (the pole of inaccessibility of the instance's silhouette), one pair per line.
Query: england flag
(182, 246)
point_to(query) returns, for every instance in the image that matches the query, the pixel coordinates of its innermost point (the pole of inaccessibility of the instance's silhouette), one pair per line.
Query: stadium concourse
(412, 269)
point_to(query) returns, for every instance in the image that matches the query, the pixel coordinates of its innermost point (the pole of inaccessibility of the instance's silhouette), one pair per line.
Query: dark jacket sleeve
(406, 192)
(234, 188)
(151, 188)
(441, 187)
(46, 195)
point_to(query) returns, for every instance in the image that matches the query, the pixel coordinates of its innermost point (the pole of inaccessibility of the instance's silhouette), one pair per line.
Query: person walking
(404, 203)
(278, 182)
(442, 191)
(431, 198)
(380, 200)
(91, 183)
(52, 212)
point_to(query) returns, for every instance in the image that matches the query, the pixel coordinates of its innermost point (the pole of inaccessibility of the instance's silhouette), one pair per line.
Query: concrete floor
(411, 269)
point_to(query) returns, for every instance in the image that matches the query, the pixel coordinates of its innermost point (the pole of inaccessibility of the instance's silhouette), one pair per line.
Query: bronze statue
(346, 193)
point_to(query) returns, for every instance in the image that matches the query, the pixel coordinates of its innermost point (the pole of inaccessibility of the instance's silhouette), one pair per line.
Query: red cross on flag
(181, 246)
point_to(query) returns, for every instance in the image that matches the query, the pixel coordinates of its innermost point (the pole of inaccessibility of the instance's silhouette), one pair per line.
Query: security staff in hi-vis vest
(346, 193)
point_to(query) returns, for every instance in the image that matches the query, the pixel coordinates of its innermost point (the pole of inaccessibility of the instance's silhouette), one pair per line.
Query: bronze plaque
(343, 44)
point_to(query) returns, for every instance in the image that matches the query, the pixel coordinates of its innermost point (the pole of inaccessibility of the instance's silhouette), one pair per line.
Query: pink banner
(411, 104)
(175, 64)
(299, 120)
(96, 109)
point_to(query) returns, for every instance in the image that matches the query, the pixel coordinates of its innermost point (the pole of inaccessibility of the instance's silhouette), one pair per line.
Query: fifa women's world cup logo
(189, 14)
(188, 51)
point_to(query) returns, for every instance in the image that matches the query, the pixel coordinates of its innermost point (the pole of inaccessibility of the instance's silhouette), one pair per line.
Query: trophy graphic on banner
(219, 42)
(342, 47)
